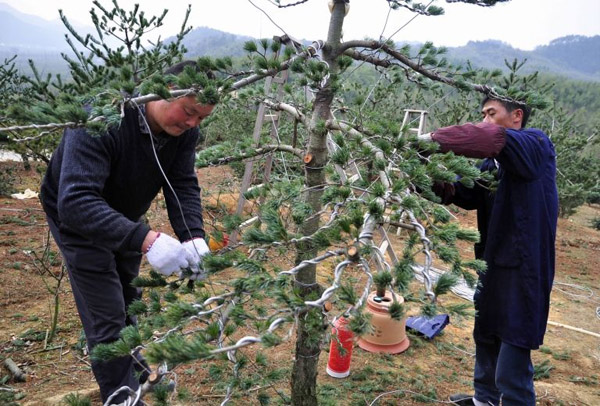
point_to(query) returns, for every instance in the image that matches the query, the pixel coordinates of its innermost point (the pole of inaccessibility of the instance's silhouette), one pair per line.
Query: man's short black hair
(179, 67)
(205, 83)
(510, 107)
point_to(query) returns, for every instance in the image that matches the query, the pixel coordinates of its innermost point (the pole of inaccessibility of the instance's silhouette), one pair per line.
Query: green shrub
(7, 181)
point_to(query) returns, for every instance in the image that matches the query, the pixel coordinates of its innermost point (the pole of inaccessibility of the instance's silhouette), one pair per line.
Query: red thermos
(338, 365)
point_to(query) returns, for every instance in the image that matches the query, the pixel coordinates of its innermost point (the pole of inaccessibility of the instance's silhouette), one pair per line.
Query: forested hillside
(31, 37)
(577, 52)
(569, 66)
(208, 41)
(576, 57)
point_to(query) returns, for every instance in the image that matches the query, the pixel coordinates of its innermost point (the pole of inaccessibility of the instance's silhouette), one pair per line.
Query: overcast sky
(524, 24)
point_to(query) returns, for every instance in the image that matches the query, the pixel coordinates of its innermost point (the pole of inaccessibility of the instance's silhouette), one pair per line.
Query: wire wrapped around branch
(347, 48)
(328, 293)
(264, 150)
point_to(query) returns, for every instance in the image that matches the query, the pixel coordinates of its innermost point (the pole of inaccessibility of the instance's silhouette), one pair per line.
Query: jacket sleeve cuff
(483, 140)
(195, 233)
(138, 236)
(444, 191)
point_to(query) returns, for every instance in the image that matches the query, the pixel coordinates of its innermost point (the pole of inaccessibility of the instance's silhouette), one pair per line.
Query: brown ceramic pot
(388, 335)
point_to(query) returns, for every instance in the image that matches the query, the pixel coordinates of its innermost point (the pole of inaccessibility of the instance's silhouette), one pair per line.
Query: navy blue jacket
(518, 228)
(98, 187)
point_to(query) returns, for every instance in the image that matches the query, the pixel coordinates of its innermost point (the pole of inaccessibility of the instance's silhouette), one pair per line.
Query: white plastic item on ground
(10, 156)
(27, 194)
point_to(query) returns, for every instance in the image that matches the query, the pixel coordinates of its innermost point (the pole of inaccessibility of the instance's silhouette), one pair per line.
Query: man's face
(494, 112)
(177, 116)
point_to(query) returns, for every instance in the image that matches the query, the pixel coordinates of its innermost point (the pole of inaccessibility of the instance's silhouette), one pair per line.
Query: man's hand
(167, 255)
(196, 249)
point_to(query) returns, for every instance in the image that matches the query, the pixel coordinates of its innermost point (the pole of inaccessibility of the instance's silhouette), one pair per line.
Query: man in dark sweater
(94, 193)
(517, 224)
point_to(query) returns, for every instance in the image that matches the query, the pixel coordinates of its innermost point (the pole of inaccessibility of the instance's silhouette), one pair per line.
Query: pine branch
(212, 304)
(136, 100)
(445, 282)
(371, 222)
(50, 127)
(288, 108)
(405, 226)
(279, 5)
(269, 239)
(417, 67)
(309, 52)
(267, 149)
(342, 126)
(359, 56)
(418, 8)
(328, 293)
(481, 3)
(314, 261)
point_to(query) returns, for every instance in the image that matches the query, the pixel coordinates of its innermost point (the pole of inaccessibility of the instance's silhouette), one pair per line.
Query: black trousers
(101, 283)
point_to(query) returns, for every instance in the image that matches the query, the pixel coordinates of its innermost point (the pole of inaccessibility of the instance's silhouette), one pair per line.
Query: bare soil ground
(426, 373)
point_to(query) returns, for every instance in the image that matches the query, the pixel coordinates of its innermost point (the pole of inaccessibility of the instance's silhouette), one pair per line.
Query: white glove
(195, 250)
(167, 255)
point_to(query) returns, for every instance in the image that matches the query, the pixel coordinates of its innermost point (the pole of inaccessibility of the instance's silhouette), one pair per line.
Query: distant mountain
(208, 41)
(32, 37)
(27, 36)
(28, 18)
(574, 56)
(576, 52)
(24, 32)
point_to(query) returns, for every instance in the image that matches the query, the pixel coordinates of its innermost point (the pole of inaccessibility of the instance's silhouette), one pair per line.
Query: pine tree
(308, 210)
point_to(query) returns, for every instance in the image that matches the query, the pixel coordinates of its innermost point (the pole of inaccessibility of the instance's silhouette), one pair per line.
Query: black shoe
(462, 399)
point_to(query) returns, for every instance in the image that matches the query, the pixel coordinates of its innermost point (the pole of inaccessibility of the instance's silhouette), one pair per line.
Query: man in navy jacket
(517, 223)
(94, 193)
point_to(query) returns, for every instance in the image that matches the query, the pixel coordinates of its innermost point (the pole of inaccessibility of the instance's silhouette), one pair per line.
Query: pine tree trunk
(310, 332)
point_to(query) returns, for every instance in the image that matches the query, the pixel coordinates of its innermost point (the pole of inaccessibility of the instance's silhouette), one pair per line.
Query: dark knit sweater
(98, 187)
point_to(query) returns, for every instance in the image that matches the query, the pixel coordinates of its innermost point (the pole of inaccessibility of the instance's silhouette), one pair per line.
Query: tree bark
(309, 337)
(16, 372)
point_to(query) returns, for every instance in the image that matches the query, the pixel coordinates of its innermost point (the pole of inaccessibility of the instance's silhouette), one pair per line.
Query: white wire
(389, 38)
(387, 17)
(165, 175)
(408, 22)
(246, 340)
(413, 393)
(274, 125)
(576, 287)
(269, 17)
